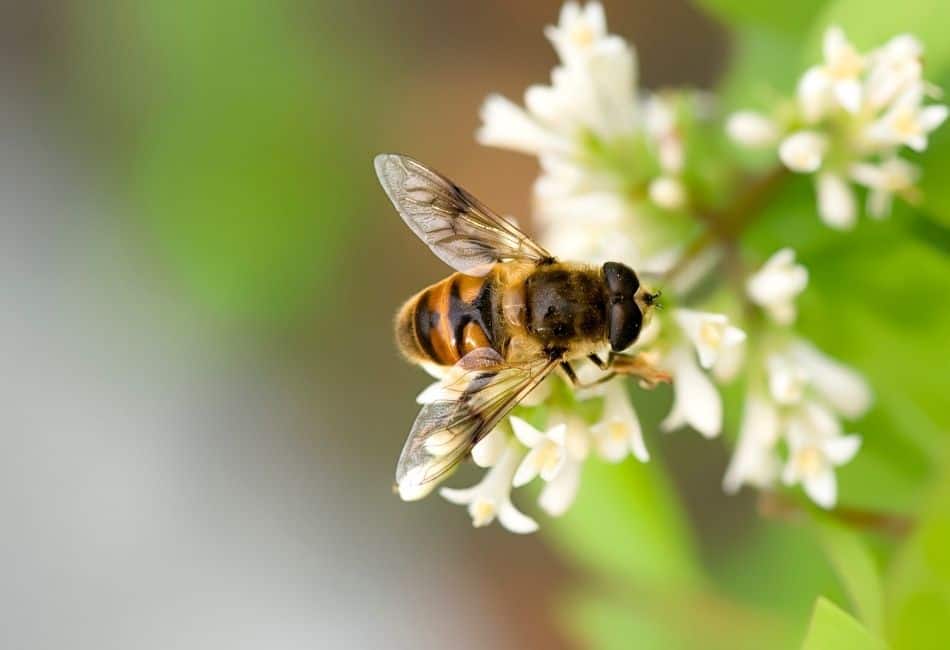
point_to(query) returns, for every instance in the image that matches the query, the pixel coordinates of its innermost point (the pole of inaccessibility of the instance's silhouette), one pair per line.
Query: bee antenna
(653, 299)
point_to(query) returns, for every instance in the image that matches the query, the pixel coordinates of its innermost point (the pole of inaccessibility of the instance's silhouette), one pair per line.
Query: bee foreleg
(597, 361)
(577, 383)
(638, 366)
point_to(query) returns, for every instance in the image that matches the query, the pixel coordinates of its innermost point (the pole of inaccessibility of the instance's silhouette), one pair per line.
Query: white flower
(754, 461)
(710, 333)
(559, 493)
(579, 30)
(695, 400)
(840, 74)
(777, 284)
(729, 363)
(752, 129)
(812, 459)
(547, 451)
(908, 121)
(894, 67)
(667, 192)
(506, 125)
(836, 203)
(489, 449)
(618, 432)
(838, 385)
(803, 151)
(659, 118)
(491, 497)
(787, 379)
(893, 176)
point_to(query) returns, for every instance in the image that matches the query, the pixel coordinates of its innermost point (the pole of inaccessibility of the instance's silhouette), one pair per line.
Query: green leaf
(918, 586)
(833, 629)
(781, 17)
(763, 68)
(627, 524)
(935, 162)
(869, 23)
(241, 157)
(856, 568)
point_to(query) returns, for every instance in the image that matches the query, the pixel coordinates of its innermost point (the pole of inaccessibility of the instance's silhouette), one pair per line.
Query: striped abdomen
(448, 320)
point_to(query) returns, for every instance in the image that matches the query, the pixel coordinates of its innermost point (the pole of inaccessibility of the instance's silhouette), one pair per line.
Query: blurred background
(202, 405)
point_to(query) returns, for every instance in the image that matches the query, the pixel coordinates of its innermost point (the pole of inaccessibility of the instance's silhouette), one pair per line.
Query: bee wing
(458, 228)
(476, 394)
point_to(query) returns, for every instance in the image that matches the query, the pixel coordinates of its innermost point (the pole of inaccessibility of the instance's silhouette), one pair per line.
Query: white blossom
(752, 129)
(695, 400)
(777, 284)
(893, 176)
(894, 67)
(812, 460)
(559, 493)
(546, 451)
(489, 449)
(491, 497)
(787, 380)
(836, 203)
(803, 151)
(711, 334)
(618, 433)
(835, 81)
(667, 192)
(841, 387)
(908, 121)
(754, 461)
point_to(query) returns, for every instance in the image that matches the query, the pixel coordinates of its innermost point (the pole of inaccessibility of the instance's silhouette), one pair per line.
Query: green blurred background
(202, 405)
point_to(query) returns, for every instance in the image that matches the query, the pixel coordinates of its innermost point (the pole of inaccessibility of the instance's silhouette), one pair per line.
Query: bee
(497, 327)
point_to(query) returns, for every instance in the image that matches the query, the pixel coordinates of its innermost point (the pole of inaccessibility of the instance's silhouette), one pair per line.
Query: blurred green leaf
(781, 17)
(239, 155)
(918, 587)
(832, 629)
(608, 624)
(628, 525)
(763, 69)
(856, 568)
(935, 162)
(869, 23)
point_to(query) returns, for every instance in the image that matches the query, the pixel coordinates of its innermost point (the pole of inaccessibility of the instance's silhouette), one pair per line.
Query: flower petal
(822, 488)
(842, 449)
(527, 434)
(489, 449)
(515, 521)
(558, 495)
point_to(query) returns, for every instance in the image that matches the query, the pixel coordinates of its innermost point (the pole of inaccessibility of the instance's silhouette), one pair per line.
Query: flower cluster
(854, 112)
(616, 169)
(610, 157)
(796, 394)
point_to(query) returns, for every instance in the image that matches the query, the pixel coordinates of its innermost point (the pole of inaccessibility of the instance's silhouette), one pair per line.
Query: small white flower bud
(836, 203)
(803, 151)
(752, 129)
(668, 193)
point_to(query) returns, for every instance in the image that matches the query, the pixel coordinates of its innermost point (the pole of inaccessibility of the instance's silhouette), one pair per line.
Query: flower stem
(773, 505)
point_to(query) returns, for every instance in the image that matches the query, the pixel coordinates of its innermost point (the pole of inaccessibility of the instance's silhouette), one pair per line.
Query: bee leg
(597, 361)
(638, 366)
(577, 383)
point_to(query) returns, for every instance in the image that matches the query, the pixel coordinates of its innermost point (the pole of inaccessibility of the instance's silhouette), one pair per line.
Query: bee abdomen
(448, 320)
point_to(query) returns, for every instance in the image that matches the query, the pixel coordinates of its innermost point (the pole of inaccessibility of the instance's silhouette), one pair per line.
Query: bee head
(625, 307)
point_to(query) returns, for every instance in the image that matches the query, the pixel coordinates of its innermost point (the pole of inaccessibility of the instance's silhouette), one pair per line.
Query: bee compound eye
(625, 321)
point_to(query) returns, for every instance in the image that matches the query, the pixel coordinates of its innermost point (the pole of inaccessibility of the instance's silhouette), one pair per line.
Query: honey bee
(497, 327)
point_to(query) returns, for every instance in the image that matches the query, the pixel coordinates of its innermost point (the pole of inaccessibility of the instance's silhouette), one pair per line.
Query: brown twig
(773, 505)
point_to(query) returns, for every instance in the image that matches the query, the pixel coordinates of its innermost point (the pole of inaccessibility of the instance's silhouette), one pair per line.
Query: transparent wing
(458, 228)
(476, 394)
